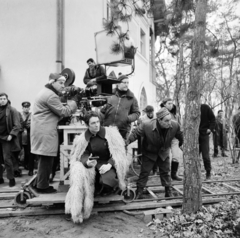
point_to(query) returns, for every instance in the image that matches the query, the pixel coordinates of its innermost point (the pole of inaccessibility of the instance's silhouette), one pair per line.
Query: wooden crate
(65, 151)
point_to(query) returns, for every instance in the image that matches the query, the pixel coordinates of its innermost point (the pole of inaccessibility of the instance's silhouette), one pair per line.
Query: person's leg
(1, 165)
(164, 170)
(26, 156)
(44, 170)
(215, 144)
(8, 161)
(146, 168)
(204, 149)
(176, 151)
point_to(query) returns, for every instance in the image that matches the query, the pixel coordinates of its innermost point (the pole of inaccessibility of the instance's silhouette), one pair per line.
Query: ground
(106, 225)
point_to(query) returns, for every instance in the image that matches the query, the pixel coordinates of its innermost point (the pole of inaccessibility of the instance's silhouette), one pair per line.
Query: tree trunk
(192, 199)
(179, 76)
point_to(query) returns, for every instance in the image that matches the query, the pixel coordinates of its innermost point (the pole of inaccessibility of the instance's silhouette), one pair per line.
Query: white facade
(28, 46)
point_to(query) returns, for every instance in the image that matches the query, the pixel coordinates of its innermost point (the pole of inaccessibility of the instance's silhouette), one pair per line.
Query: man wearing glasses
(122, 108)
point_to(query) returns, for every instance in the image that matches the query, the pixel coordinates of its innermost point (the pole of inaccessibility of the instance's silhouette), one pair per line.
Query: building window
(143, 99)
(142, 43)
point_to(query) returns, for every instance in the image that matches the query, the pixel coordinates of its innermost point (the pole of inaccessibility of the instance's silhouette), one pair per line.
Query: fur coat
(80, 197)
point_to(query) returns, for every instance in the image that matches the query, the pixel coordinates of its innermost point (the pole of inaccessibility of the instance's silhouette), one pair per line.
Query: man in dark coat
(207, 125)
(93, 75)
(26, 142)
(122, 108)
(220, 135)
(9, 141)
(157, 137)
(236, 126)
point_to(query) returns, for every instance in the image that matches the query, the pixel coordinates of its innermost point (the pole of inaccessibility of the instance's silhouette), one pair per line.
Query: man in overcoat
(47, 111)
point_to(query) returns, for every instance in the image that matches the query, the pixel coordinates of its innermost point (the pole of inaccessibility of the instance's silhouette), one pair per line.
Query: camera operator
(93, 75)
(47, 111)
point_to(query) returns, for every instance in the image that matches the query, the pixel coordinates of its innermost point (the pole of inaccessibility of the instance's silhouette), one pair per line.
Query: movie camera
(85, 99)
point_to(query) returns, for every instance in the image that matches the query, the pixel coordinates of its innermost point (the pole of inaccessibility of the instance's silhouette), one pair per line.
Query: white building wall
(81, 22)
(28, 46)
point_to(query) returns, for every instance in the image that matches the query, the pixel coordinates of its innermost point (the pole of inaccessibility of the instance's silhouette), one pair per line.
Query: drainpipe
(60, 36)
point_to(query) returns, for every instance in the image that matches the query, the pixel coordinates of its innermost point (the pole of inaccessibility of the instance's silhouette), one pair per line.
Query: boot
(1, 180)
(12, 182)
(223, 154)
(30, 173)
(208, 175)
(168, 192)
(174, 169)
(139, 193)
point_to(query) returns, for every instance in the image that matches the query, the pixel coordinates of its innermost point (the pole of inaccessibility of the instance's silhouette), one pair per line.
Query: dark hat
(54, 76)
(162, 113)
(165, 101)
(122, 77)
(26, 104)
(148, 108)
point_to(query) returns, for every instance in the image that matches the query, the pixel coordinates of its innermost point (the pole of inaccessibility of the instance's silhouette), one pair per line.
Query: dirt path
(104, 225)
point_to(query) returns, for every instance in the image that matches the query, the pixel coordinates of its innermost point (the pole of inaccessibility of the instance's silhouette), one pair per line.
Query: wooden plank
(152, 193)
(8, 191)
(178, 190)
(229, 186)
(56, 198)
(7, 196)
(207, 190)
(46, 199)
(33, 211)
(107, 199)
(148, 205)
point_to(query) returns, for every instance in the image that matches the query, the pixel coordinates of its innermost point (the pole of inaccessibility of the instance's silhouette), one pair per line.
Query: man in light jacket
(47, 111)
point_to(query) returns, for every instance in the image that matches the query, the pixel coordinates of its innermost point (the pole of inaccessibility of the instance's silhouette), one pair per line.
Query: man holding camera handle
(47, 111)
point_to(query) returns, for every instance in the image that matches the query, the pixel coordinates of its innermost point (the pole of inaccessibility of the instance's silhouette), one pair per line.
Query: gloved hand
(77, 98)
(91, 163)
(104, 168)
(91, 82)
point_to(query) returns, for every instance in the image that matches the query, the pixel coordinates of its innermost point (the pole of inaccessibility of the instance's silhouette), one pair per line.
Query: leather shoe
(50, 189)
(139, 193)
(18, 173)
(30, 173)
(168, 192)
(175, 177)
(208, 175)
(1, 180)
(12, 182)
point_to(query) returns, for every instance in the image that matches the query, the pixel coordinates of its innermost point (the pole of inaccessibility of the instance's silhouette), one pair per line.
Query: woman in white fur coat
(103, 174)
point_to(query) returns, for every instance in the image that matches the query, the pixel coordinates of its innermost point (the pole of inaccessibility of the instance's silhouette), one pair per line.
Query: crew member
(47, 111)
(157, 137)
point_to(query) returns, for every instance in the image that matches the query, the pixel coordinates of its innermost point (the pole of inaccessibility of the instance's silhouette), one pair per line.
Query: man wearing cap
(9, 141)
(122, 108)
(26, 143)
(157, 136)
(47, 111)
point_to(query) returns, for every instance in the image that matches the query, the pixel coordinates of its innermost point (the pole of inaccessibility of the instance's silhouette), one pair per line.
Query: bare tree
(192, 199)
